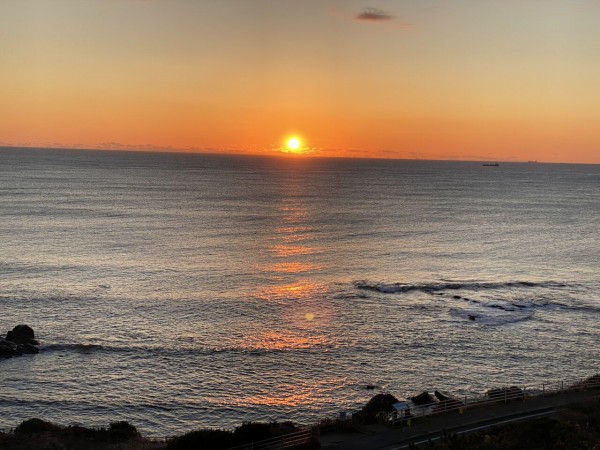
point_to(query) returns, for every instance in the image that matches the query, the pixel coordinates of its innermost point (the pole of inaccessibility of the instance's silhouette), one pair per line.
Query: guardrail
(304, 437)
(293, 440)
(496, 396)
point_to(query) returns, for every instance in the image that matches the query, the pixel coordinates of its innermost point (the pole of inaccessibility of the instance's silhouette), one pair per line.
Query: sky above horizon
(428, 79)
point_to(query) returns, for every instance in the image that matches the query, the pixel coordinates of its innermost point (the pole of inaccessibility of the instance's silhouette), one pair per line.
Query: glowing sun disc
(293, 143)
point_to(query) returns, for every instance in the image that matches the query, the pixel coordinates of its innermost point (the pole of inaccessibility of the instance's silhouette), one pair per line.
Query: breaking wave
(435, 287)
(154, 350)
(490, 318)
(491, 303)
(83, 348)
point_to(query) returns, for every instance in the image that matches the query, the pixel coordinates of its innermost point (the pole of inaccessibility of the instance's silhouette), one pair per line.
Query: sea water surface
(179, 291)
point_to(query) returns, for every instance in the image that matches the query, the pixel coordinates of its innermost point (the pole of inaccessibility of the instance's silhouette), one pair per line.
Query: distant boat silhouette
(491, 164)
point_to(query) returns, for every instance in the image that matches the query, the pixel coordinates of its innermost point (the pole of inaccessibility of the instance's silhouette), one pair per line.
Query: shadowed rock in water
(22, 334)
(19, 341)
(27, 349)
(8, 349)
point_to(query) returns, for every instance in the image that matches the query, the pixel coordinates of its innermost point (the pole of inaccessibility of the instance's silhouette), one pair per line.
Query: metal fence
(297, 439)
(498, 396)
(302, 438)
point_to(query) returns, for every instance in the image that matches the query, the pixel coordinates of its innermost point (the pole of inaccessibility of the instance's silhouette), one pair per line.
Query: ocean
(179, 291)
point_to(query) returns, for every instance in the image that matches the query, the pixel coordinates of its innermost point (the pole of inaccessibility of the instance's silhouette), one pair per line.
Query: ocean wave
(507, 309)
(249, 350)
(268, 350)
(490, 303)
(489, 318)
(84, 348)
(439, 287)
(500, 311)
(505, 305)
(522, 305)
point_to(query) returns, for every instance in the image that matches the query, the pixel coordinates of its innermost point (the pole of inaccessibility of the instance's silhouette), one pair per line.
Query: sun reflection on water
(274, 340)
(293, 231)
(285, 251)
(306, 392)
(293, 300)
(292, 267)
(300, 291)
(290, 399)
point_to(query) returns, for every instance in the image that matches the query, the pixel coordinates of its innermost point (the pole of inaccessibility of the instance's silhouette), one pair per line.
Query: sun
(294, 144)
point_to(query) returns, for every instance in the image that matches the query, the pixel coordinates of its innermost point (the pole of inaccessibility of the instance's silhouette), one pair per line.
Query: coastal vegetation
(577, 427)
(247, 433)
(42, 435)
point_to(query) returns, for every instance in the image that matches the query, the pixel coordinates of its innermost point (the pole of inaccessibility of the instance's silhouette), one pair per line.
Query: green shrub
(31, 426)
(122, 431)
(252, 432)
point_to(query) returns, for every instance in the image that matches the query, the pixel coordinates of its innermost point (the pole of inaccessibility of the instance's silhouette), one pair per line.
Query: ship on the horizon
(491, 164)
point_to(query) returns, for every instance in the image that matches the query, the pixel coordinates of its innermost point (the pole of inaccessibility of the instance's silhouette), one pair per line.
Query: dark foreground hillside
(575, 428)
(41, 435)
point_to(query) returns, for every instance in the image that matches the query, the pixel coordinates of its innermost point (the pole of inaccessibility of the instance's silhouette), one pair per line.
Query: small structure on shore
(402, 411)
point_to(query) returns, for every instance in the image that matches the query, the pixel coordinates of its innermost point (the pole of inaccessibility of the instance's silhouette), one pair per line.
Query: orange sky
(468, 79)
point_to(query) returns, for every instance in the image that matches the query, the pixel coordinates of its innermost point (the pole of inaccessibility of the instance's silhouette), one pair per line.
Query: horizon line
(275, 154)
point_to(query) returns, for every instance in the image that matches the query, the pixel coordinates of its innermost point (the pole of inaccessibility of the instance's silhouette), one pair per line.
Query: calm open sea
(180, 291)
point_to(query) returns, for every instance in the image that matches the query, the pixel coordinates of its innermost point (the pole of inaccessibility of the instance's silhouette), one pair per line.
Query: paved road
(379, 437)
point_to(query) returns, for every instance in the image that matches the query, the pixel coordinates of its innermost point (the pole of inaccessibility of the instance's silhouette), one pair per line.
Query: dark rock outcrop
(422, 399)
(27, 349)
(447, 403)
(22, 334)
(377, 406)
(8, 349)
(19, 341)
(441, 397)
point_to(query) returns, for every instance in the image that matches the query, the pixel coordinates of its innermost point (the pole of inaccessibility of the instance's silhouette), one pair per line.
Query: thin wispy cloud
(381, 19)
(374, 15)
